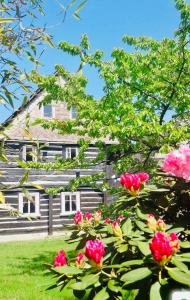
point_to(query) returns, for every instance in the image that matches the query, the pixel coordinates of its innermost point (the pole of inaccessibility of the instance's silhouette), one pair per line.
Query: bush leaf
(179, 276)
(155, 291)
(102, 295)
(136, 275)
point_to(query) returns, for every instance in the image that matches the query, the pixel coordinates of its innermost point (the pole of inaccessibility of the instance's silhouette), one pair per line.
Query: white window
(72, 152)
(70, 203)
(29, 205)
(73, 113)
(29, 153)
(48, 111)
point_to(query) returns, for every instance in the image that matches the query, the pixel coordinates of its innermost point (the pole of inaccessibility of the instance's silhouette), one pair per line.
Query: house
(44, 214)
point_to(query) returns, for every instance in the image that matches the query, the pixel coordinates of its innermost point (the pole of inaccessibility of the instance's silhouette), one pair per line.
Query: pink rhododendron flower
(88, 216)
(116, 229)
(94, 251)
(80, 260)
(107, 220)
(133, 182)
(78, 218)
(162, 247)
(177, 163)
(144, 177)
(174, 242)
(120, 218)
(60, 260)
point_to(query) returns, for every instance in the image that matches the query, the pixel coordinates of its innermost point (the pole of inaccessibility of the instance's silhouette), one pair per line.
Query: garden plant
(131, 256)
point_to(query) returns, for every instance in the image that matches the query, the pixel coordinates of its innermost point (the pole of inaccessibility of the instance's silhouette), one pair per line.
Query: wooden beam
(50, 221)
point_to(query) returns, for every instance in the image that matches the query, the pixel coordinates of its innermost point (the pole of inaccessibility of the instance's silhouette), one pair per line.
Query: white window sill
(68, 213)
(26, 216)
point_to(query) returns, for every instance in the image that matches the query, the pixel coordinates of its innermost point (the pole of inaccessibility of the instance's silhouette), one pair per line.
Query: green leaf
(180, 265)
(81, 5)
(132, 262)
(141, 215)
(155, 291)
(186, 255)
(185, 244)
(127, 227)
(142, 226)
(179, 276)
(7, 20)
(122, 248)
(110, 240)
(112, 286)
(136, 275)
(86, 282)
(144, 248)
(2, 198)
(68, 270)
(102, 295)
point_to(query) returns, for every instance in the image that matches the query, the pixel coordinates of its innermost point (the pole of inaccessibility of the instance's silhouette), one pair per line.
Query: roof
(22, 107)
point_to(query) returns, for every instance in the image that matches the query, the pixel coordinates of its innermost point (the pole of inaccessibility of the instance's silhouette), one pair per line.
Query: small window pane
(67, 197)
(73, 113)
(67, 205)
(48, 111)
(73, 152)
(25, 205)
(74, 206)
(32, 207)
(73, 197)
(29, 156)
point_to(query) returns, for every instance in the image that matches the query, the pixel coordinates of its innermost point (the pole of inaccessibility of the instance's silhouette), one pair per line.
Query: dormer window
(73, 113)
(48, 111)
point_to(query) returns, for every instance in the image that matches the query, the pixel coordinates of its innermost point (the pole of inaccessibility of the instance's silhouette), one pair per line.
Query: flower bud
(78, 218)
(88, 217)
(160, 225)
(80, 260)
(120, 218)
(174, 242)
(161, 248)
(94, 251)
(60, 260)
(107, 220)
(151, 222)
(116, 229)
(97, 216)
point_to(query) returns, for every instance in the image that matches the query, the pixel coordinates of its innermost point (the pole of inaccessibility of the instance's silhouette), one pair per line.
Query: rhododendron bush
(128, 256)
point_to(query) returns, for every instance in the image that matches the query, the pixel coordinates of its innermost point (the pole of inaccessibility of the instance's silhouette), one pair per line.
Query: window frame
(71, 113)
(37, 204)
(68, 150)
(53, 111)
(24, 148)
(71, 212)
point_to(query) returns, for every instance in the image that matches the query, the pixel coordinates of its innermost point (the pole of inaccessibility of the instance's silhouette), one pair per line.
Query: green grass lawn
(22, 271)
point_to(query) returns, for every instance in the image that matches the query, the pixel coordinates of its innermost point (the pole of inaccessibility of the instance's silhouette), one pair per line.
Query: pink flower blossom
(88, 216)
(94, 251)
(80, 260)
(151, 222)
(133, 182)
(60, 260)
(144, 177)
(177, 163)
(78, 218)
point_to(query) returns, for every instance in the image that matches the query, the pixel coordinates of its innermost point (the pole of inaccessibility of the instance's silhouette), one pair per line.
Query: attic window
(73, 113)
(48, 111)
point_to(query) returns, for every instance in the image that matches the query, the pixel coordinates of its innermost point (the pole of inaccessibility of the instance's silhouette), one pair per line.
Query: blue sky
(105, 22)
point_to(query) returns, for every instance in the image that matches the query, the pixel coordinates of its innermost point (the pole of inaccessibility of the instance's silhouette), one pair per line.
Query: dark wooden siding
(11, 174)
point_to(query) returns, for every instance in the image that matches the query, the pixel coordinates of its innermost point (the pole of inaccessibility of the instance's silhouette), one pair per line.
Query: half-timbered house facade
(44, 213)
